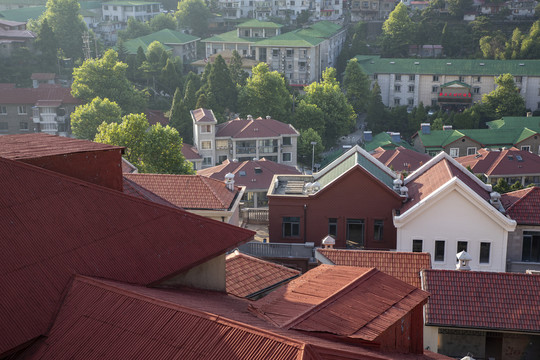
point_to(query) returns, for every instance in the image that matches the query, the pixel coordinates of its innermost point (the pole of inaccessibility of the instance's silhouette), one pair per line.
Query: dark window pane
(332, 226)
(484, 252)
(378, 230)
(417, 245)
(439, 250)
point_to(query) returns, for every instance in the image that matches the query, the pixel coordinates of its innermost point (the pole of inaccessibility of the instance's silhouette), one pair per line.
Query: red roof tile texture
(190, 152)
(253, 174)
(13, 95)
(523, 205)
(36, 145)
(404, 266)
(53, 226)
(257, 128)
(505, 162)
(133, 189)
(203, 115)
(187, 191)
(247, 275)
(43, 76)
(157, 117)
(401, 159)
(436, 176)
(317, 302)
(483, 300)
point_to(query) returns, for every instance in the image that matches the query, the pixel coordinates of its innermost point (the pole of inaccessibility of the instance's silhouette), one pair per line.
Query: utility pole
(313, 143)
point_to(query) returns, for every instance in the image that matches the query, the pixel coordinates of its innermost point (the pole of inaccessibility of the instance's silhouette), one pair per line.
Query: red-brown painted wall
(99, 167)
(406, 335)
(356, 195)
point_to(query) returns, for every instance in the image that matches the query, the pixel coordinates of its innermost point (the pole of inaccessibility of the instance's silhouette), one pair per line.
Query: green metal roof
(23, 14)
(455, 82)
(23, 2)
(292, 39)
(337, 170)
(384, 140)
(259, 24)
(321, 29)
(231, 37)
(130, 3)
(516, 122)
(440, 138)
(377, 65)
(165, 36)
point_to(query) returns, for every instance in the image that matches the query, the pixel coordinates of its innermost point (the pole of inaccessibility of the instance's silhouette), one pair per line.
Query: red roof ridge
(211, 185)
(500, 158)
(523, 193)
(270, 263)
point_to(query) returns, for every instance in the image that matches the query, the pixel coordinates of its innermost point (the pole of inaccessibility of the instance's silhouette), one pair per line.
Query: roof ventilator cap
(229, 181)
(397, 184)
(328, 242)
(495, 200)
(463, 261)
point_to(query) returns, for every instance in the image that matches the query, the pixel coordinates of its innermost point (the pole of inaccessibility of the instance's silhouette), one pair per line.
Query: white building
(123, 10)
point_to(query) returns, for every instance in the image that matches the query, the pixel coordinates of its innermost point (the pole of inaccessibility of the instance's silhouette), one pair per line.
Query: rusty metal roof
(248, 275)
(36, 145)
(346, 301)
(53, 226)
(405, 266)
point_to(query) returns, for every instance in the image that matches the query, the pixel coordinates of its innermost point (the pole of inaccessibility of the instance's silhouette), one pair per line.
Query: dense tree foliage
(356, 86)
(220, 91)
(397, 32)
(505, 100)
(238, 75)
(48, 46)
(134, 29)
(194, 15)
(309, 116)
(305, 149)
(86, 118)
(163, 21)
(180, 117)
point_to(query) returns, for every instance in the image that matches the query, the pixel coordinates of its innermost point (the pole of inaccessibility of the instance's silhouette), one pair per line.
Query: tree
(397, 32)
(493, 46)
(505, 100)
(106, 77)
(67, 25)
(156, 59)
(238, 75)
(86, 118)
(356, 86)
(151, 149)
(339, 116)
(265, 93)
(377, 116)
(169, 77)
(122, 50)
(180, 117)
(162, 21)
(309, 116)
(305, 149)
(193, 14)
(134, 29)
(502, 186)
(190, 93)
(458, 8)
(220, 90)
(47, 44)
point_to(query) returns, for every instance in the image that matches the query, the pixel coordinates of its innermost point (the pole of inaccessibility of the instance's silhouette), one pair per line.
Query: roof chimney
(397, 185)
(529, 114)
(368, 135)
(328, 242)
(229, 181)
(426, 128)
(447, 127)
(463, 261)
(268, 117)
(249, 117)
(395, 136)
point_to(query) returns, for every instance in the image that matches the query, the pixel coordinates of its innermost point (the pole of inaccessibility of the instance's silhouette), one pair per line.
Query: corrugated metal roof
(404, 266)
(36, 145)
(52, 226)
(341, 300)
(247, 275)
(483, 300)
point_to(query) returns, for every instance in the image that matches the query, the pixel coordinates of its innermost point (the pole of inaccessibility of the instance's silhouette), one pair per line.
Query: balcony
(268, 149)
(246, 150)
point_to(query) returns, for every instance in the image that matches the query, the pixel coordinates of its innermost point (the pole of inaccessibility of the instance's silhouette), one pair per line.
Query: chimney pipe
(229, 181)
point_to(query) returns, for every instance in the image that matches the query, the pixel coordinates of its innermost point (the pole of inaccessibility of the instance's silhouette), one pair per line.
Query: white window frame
(283, 157)
(435, 78)
(455, 151)
(526, 148)
(204, 129)
(435, 253)
(211, 162)
(21, 107)
(435, 89)
(412, 244)
(3, 110)
(490, 252)
(24, 129)
(204, 142)
(411, 88)
(471, 148)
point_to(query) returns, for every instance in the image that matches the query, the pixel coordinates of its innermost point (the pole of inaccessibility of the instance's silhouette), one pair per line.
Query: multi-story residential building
(176, 42)
(301, 55)
(362, 10)
(43, 109)
(243, 139)
(13, 34)
(449, 83)
(123, 10)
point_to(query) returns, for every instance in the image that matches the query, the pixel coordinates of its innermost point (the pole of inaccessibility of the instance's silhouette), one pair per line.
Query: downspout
(305, 223)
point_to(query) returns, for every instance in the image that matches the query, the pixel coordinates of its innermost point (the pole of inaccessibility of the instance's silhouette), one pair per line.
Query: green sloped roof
(90, 4)
(259, 24)
(384, 140)
(455, 82)
(132, 3)
(338, 170)
(322, 29)
(525, 134)
(516, 122)
(23, 2)
(164, 36)
(231, 37)
(291, 39)
(486, 137)
(23, 14)
(377, 65)
(439, 138)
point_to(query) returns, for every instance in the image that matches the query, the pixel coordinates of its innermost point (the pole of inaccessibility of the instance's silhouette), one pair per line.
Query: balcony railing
(246, 150)
(268, 149)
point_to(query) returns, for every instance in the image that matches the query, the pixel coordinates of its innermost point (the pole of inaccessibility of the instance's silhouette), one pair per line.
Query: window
(222, 158)
(3, 126)
(207, 160)
(439, 250)
(21, 109)
(23, 125)
(398, 77)
(435, 77)
(397, 88)
(222, 144)
(476, 90)
(471, 150)
(291, 226)
(3, 110)
(531, 246)
(410, 102)
(275, 52)
(287, 157)
(375, 77)
(454, 152)
(461, 78)
(518, 79)
(411, 88)
(417, 245)
(434, 102)
(332, 226)
(396, 102)
(461, 246)
(478, 79)
(484, 252)
(411, 77)
(287, 140)
(206, 145)
(205, 129)
(105, 7)
(378, 230)
(290, 52)
(526, 148)
(434, 89)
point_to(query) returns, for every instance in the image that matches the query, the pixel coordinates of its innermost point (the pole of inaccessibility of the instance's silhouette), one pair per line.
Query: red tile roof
(435, 174)
(316, 302)
(503, 162)
(245, 173)
(43, 76)
(258, 128)
(124, 321)
(190, 152)
(36, 145)
(128, 167)
(247, 275)
(12, 95)
(187, 191)
(53, 226)
(133, 189)
(203, 115)
(483, 300)
(401, 159)
(157, 117)
(404, 266)
(523, 205)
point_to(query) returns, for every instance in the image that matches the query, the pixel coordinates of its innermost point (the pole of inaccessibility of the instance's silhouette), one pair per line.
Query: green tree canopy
(106, 78)
(505, 100)
(356, 86)
(238, 75)
(398, 31)
(86, 118)
(309, 116)
(162, 21)
(193, 14)
(155, 148)
(134, 29)
(47, 44)
(305, 149)
(265, 94)
(180, 117)
(377, 115)
(220, 90)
